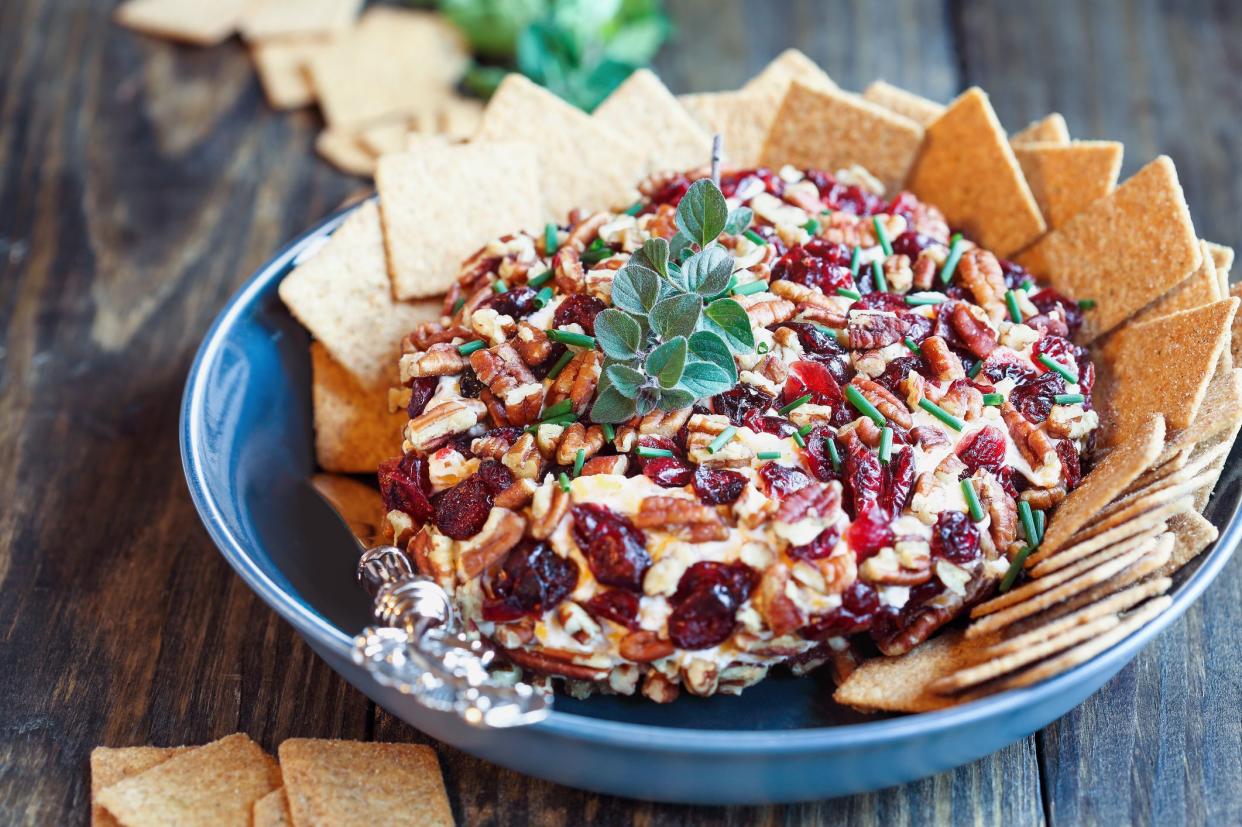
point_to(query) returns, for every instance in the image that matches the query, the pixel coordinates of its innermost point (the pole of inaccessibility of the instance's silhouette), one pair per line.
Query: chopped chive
(652, 453)
(751, 287)
(797, 437)
(941, 414)
(541, 279)
(568, 337)
(1068, 398)
(562, 420)
(560, 364)
(797, 403)
(1086, 304)
(994, 399)
(457, 305)
(1027, 285)
(722, 440)
(1014, 568)
(1028, 523)
(919, 299)
(1039, 523)
(877, 275)
(913, 346)
(805, 429)
(811, 226)
(834, 455)
(579, 460)
(825, 212)
(886, 444)
(950, 263)
(499, 286)
(855, 262)
(550, 241)
(1011, 301)
(564, 481)
(610, 433)
(863, 406)
(635, 208)
(972, 500)
(974, 369)
(762, 348)
(470, 347)
(595, 256)
(1052, 364)
(544, 296)
(848, 293)
(882, 234)
(559, 409)
(755, 237)
(768, 455)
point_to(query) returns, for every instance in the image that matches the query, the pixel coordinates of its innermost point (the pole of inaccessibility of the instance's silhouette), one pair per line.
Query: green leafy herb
(702, 212)
(739, 220)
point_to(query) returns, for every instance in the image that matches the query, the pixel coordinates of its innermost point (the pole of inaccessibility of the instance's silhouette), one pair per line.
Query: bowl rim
(609, 732)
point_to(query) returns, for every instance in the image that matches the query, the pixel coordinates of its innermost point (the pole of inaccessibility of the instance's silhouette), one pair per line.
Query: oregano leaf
(680, 246)
(635, 289)
(708, 346)
(729, 319)
(646, 400)
(705, 379)
(674, 399)
(626, 380)
(612, 406)
(666, 363)
(708, 271)
(702, 212)
(619, 334)
(676, 315)
(739, 219)
(654, 254)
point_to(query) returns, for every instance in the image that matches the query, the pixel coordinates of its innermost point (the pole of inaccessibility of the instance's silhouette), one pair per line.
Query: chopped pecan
(432, 333)
(577, 622)
(803, 296)
(927, 436)
(702, 521)
(658, 688)
(703, 429)
(555, 662)
(804, 197)
(779, 611)
(510, 381)
(438, 360)
(643, 647)
(663, 423)
(866, 430)
(493, 445)
(1001, 508)
(873, 329)
(547, 508)
(843, 228)
(894, 225)
(577, 381)
(943, 363)
(898, 273)
(606, 465)
(586, 230)
(773, 369)
(517, 495)
(663, 223)
(578, 438)
(532, 344)
(1044, 498)
(547, 437)
(438, 424)
(929, 221)
(491, 325)
(922, 273)
(515, 633)
(828, 318)
(700, 677)
(568, 274)
(1034, 444)
(501, 532)
(523, 458)
(766, 309)
(981, 274)
(962, 399)
(977, 336)
(810, 502)
(495, 408)
(475, 300)
(893, 408)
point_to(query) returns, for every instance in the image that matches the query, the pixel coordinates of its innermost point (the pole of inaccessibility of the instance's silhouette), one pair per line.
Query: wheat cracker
(354, 429)
(187, 21)
(902, 102)
(1065, 178)
(645, 114)
(272, 19)
(272, 810)
(110, 765)
(1049, 129)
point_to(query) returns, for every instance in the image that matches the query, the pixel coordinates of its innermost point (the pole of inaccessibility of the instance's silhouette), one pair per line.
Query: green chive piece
(806, 429)
(886, 444)
(834, 455)
(562, 420)
(652, 453)
(994, 399)
(1068, 398)
(941, 414)
(811, 226)
(541, 279)
(882, 233)
(877, 275)
(457, 305)
(560, 364)
(499, 286)
(974, 370)
(972, 500)
(919, 299)
(848, 293)
(722, 440)
(1028, 523)
(564, 481)
(1052, 364)
(470, 347)
(1039, 523)
(797, 403)
(635, 208)
(559, 409)
(568, 337)
(610, 433)
(762, 348)
(595, 256)
(1014, 568)
(550, 242)
(797, 437)
(864, 407)
(755, 237)
(913, 346)
(950, 263)
(579, 460)
(1027, 285)
(751, 287)
(1015, 312)
(855, 262)
(544, 296)
(768, 455)
(1086, 304)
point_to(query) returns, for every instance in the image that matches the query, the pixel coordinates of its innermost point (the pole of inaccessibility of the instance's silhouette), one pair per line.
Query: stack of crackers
(378, 77)
(1158, 313)
(234, 782)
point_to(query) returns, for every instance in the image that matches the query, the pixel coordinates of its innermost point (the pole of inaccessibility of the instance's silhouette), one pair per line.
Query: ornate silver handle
(420, 650)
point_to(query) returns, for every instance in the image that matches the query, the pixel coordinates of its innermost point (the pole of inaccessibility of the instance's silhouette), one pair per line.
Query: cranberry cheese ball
(777, 420)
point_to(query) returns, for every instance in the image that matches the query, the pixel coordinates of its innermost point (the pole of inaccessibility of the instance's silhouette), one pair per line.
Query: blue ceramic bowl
(246, 444)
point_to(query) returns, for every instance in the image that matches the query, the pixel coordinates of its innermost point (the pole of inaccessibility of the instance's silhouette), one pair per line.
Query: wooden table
(140, 183)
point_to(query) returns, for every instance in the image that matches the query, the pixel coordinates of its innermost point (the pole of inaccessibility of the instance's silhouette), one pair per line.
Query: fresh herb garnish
(972, 500)
(1068, 398)
(854, 295)
(722, 440)
(941, 414)
(1053, 365)
(470, 347)
(995, 400)
(877, 275)
(1015, 312)
(886, 444)
(863, 406)
(955, 253)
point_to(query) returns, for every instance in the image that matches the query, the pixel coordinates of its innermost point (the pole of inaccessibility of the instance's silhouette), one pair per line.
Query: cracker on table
(895, 99)
(645, 114)
(282, 69)
(773, 80)
(830, 130)
(359, 505)
(1065, 178)
(1124, 250)
(343, 296)
(188, 21)
(742, 119)
(441, 204)
(343, 150)
(900, 684)
(215, 785)
(297, 18)
(354, 430)
(1096, 490)
(272, 810)
(967, 169)
(1161, 366)
(582, 165)
(112, 764)
(345, 783)
(1049, 129)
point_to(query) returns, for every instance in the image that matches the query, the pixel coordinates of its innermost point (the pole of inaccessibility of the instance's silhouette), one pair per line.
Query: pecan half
(1034, 444)
(944, 363)
(893, 408)
(874, 329)
(532, 344)
(493, 445)
(643, 647)
(554, 662)
(586, 230)
(766, 309)
(962, 399)
(898, 273)
(663, 423)
(548, 506)
(1044, 498)
(501, 532)
(1001, 508)
(658, 688)
(978, 338)
(578, 438)
(439, 360)
(510, 381)
(436, 426)
(577, 381)
(523, 458)
(981, 274)
(923, 272)
(810, 501)
(568, 274)
(928, 436)
(517, 495)
(804, 297)
(432, 333)
(778, 610)
(672, 513)
(606, 465)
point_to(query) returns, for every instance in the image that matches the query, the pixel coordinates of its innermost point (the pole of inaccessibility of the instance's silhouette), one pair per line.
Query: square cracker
(189, 21)
(1235, 341)
(359, 505)
(343, 296)
(582, 164)
(1222, 257)
(443, 203)
(645, 114)
(272, 810)
(1161, 366)
(1192, 534)
(968, 170)
(354, 430)
(899, 684)
(1220, 413)
(293, 18)
(741, 118)
(216, 784)
(1202, 288)
(1124, 250)
(1048, 129)
(830, 130)
(345, 783)
(895, 99)
(1065, 178)
(773, 80)
(112, 764)
(343, 150)
(282, 68)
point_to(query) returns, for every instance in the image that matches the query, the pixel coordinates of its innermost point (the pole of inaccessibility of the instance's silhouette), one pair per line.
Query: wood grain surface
(141, 182)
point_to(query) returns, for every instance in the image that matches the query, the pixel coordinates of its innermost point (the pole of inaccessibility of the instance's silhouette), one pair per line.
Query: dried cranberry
(911, 244)
(984, 448)
(1013, 273)
(862, 474)
(737, 579)
(851, 199)
(819, 345)
(918, 327)
(781, 480)
(518, 302)
(672, 190)
(718, 487)
(1057, 348)
(751, 182)
(818, 263)
(462, 444)
(545, 367)
(1070, 465)
(955, 537)
(1048, 300)
(859, 605)
(870, 531)
(880, 301)
(818, 456)
(462, 510)
(1086, 383)
(662, 443)
(469, 383)
(1003, 363)
(615, 605)
(813, 378)
(897, 370)
(579, 309)
(823, 545)
(744, 399)
(897, 481)
(705, 604)
(1034, 398)
(668, 472)
(421, 391)
(615, 548)
(532, 580)
(769, 425)
(904, 203)
(404, 485)
(495, 476)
